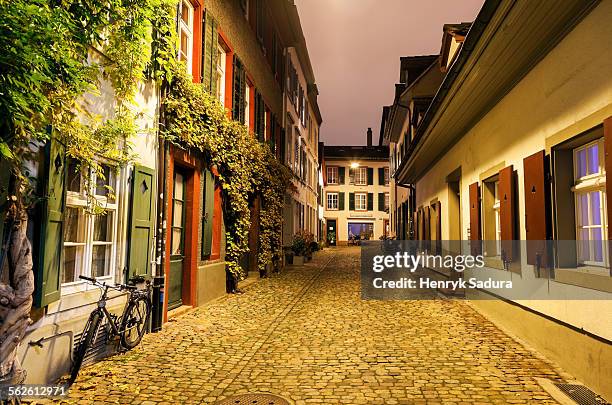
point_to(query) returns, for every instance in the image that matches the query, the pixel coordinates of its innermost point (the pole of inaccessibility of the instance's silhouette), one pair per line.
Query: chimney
(369, 136)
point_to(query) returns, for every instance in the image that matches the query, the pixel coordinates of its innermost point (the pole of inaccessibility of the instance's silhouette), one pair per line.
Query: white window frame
(386, 180)
(585, 185)
(79, 200)
(221, 76)
(332, 175)
(187, 28)
(333, 203)
(387, 201)
(363, 202)
(361, 176)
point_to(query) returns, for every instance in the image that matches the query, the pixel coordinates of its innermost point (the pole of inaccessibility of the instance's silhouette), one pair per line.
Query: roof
(356, 152)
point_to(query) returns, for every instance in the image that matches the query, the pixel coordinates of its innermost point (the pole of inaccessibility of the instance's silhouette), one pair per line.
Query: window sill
(81, 299)
(594, 278)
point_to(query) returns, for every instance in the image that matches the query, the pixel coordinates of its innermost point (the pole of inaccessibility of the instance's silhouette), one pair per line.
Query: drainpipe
(158, 280)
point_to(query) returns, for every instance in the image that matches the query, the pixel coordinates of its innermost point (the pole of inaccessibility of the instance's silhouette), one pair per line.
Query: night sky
(355, 46)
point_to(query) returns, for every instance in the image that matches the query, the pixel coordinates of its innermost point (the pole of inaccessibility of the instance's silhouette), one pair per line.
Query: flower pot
(298, 260)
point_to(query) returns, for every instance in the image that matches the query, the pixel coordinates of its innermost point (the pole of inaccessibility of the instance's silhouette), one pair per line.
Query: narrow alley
(307, 336)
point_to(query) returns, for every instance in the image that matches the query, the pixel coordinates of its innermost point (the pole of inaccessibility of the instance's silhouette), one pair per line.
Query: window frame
(330, 199)
(221, 75)
(330, 169)
(584, 186)
(365, 201)
(80, 200)
(188, 28)
(359, 173)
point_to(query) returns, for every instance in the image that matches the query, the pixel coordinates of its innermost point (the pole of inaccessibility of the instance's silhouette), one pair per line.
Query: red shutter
(535, 208)
(474, 191)
(438, 227)
(507, 211)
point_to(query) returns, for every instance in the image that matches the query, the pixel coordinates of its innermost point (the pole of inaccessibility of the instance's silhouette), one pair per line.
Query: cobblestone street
(306, 335)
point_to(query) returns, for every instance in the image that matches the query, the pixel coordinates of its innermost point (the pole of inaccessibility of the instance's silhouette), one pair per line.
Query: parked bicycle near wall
(129, 327)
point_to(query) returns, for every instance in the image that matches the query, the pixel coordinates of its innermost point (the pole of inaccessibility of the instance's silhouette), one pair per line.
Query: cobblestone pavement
(306, 335)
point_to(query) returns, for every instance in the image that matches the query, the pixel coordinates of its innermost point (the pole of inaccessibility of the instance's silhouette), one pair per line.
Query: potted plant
(299, 247)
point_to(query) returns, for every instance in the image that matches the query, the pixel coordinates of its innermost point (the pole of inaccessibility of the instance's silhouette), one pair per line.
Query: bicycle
(129, 327)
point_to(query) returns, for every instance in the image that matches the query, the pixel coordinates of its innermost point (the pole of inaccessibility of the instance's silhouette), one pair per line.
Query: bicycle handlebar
(114, 287)
(91, 280)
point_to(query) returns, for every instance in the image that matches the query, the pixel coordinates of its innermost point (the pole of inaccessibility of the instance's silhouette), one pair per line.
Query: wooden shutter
(207, 212)
(608, 166)
(507, 212)
(370, 201)
(370, 176)
(341, 201)
(239, 88)
(351, 201)
(536, 222)
(142, 221)
(51, 259)
(426, 223)
(341, 179)
(381, 201)
(438, 246)
(209, 55)
(381, 176)
(474, 195)
(475, 228)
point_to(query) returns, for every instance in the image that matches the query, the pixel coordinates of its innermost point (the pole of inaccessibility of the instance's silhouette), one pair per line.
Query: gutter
(474, 34)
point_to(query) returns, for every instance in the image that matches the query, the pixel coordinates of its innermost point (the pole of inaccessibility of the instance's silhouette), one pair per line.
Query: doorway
(177, 252)
(454, 211)
(332, 232)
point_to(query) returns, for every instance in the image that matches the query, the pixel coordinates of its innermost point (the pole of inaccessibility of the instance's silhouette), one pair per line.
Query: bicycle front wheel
(87, 338)
(134, 323)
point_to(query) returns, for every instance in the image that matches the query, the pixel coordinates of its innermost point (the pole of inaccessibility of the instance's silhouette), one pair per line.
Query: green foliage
(247, 168)
(301, 243)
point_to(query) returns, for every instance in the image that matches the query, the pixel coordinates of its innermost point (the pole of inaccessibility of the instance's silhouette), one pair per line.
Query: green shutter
(142, 221)
(370, 176)
(381, 201)
(211, 43)
(351, 201)
(341, 201)
(341, 175)
(381, 176)
(239, 88)
(370, 201)
(50, 264)
(207, 212)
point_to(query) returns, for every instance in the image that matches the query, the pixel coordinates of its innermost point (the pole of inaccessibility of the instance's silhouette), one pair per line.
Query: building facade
(513, 146)
(164, 216)
(356, 193)
(302, 122)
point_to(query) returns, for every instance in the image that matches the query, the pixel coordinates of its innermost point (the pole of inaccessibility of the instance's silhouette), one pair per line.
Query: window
(247, 105)
(361, 201)
(386, 201)
(386, 176)
(590, 200)
(89, 239)
(359, 176)
(186, 33)
(332, 175)
(491, 218)
(221, 74)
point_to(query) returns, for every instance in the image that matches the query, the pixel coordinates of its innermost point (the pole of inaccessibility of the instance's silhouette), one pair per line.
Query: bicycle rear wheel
(134, 322)
(87, 338)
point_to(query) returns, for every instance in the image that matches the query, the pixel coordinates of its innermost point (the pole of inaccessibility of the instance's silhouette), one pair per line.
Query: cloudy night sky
(355, 46)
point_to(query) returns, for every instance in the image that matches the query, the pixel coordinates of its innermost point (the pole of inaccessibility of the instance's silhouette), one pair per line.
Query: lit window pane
(583, 209)
(104, 181)
(177, 214)
(584, 245)
(581, 164)
(595, 208)
(593, 159)
(176, 241)
(596, 243)
(185, 13)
